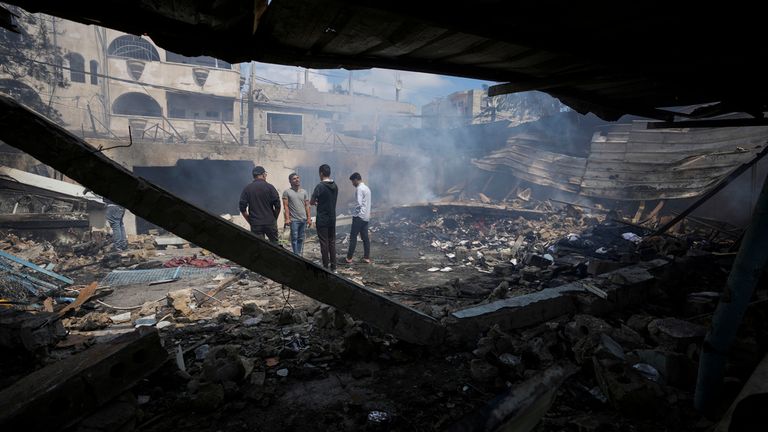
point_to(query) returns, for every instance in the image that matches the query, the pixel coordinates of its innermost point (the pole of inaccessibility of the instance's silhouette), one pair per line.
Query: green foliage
(27, 62)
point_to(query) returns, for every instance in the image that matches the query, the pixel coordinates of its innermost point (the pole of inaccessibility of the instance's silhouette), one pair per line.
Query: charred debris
(524, 312)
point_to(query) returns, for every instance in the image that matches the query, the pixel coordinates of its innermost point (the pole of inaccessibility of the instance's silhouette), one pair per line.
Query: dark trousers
(359, 226)
(327, 237)
(266, 230)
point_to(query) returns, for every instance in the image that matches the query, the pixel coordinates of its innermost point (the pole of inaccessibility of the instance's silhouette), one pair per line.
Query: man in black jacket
(262, 203)
(324, 197)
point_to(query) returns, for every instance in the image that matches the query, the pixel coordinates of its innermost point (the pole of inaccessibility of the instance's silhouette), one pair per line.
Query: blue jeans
(297, 236)
(115, 215)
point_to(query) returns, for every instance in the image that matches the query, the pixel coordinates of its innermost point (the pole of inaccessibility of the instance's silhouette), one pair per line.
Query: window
(289, 124)
(133, 47)
(94, 72)
(199, 60)
(76, 67)
(137, 104)
(200, 107)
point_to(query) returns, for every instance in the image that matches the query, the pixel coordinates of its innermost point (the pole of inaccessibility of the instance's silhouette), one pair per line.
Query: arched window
(23, 93)
(133, 47)
(94, 72)
(137, 104)
(76, 67)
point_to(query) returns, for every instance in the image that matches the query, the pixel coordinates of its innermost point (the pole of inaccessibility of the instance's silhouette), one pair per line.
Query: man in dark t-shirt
(262, 203)
(324, 197)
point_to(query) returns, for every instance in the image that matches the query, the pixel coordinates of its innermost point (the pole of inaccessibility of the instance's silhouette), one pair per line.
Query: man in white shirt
(360, 218)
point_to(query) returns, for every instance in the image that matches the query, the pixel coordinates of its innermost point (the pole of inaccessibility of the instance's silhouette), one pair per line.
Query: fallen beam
(40, 221)
(487, 210)
(60, 394)
(49, 143)
(618, 289)
(521, 407)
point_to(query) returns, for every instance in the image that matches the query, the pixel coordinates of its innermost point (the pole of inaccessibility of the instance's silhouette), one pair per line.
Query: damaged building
(587, 257)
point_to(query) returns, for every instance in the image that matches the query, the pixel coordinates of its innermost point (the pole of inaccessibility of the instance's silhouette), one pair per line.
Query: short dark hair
(292, 175)
(325, 170)
(356, 176)
(259, 170)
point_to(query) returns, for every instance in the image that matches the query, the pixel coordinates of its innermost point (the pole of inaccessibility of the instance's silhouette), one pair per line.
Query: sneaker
(348, 260)
(366, 260)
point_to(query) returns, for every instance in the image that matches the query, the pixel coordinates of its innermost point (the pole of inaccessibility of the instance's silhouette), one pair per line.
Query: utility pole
(398, 87)
(349, 83)
(306, 76)
(250, 105)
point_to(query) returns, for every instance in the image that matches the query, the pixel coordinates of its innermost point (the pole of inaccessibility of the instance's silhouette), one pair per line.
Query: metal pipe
(746, 271)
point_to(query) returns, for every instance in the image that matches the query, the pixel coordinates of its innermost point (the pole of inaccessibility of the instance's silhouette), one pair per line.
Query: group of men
(260, 206)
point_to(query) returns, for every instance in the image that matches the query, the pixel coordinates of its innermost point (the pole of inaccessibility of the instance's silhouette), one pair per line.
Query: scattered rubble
(558, 322)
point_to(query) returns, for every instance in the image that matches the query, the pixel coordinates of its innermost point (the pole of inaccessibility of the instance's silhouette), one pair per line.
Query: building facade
(105, 81)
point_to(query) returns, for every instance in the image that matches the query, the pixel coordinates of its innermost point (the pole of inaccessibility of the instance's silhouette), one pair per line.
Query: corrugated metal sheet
(631, 162)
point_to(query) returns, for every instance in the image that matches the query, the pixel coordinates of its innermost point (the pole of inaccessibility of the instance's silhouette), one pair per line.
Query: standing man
(296, 211)
(360, 218)
(324, 197)
(114, 216)
(263, 205)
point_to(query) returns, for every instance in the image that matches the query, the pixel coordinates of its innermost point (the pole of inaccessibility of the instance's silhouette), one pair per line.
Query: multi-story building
(188, 118)
(105, 81)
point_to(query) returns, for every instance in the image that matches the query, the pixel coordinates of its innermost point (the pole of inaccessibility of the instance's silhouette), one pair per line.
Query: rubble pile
(246, 353)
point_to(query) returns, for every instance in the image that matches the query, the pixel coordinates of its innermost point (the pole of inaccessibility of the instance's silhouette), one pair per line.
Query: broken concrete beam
(521, 407)
(60, 394)
(487, 210)
(32, 332)
(597, 266)
(170, 241)
(52, 145)
(621, 288)
(466, 325)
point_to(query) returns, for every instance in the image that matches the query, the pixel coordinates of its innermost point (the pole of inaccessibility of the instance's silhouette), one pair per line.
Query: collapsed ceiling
(636, 62)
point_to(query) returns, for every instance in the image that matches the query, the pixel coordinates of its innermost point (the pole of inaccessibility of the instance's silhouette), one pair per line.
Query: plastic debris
(630, 236)
(647, 371)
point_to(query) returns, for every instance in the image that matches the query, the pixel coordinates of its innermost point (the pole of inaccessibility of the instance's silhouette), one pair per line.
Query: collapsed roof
(639, 62)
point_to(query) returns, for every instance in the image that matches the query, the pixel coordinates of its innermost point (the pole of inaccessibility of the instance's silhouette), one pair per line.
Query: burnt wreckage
(560, 315)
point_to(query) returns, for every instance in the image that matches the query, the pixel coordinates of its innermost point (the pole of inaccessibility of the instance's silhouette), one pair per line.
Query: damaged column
(747, 269)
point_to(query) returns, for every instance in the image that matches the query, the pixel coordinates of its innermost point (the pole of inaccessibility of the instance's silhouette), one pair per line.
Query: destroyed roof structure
(549, 46)
(628, 161)
(491, 304)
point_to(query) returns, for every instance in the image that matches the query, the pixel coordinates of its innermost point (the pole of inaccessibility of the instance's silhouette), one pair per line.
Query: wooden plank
(63, 392)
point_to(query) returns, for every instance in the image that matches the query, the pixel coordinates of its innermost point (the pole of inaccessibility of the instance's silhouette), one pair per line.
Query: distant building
(457, 109)
(469, 107)
(106, 81)
(306, 118)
